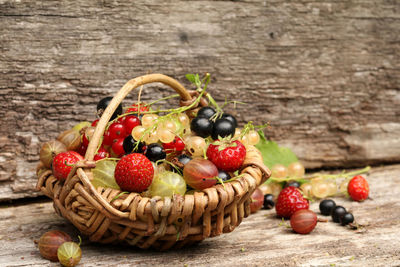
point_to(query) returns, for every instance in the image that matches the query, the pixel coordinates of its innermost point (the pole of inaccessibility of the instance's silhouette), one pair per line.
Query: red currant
(94, 124)
(85, 140)
(118, 147)
(107, 141)
(131, 122)
(82, 150)
(134, 108)
(101, 154)
(121, 120)
(176, 145)
(117, 131)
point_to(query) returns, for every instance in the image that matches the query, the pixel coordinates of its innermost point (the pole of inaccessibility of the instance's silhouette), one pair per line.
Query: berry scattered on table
(346, 218)
(268, 201)
(303, 221)
(49, 243)
(358, 188)
(337, 213)
(326, 206)
(292, 183)
(289, 201)
(69, 254)
(257, 200)
(296, 169)
(279, 171)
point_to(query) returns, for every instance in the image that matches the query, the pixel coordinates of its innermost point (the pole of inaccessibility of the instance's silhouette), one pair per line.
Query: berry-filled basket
(116, 214)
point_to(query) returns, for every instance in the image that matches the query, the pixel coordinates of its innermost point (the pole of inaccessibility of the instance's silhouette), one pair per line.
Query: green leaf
(273, 153)
(197, 80)
(191, 78)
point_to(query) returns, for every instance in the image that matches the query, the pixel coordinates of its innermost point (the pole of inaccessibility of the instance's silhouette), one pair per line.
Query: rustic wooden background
(325, 74)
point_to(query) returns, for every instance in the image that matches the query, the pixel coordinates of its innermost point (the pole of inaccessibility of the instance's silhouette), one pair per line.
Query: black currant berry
(347, 218)
(129, 145)
(337, 213)
(184, 159)
(223, 128)
(155, 152)
(292, 183)
(201, 126)
(224, 176)
(269, 201)
(103, 104)
(326, 206)
(230, 118)
(206, 112)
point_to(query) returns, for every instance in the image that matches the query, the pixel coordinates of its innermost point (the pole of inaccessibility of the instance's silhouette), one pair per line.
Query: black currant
(155, 152)
(201, 126)
(129, 145)
(103, 104)
(184, 159)
(206, 112)
(223, 128)
(223, 175)
(338, 213)
(326, 206)
(269, 201)
(347, 218)
(292, 183)
(230, 118)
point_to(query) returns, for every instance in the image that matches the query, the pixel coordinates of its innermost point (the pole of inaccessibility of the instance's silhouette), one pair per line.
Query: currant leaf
(273, 153)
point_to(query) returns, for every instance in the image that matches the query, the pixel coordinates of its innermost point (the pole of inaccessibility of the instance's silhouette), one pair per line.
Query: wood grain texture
(325, 74)
(258, 241)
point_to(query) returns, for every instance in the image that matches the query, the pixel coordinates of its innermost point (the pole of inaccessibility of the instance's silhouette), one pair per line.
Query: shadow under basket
(107, 216)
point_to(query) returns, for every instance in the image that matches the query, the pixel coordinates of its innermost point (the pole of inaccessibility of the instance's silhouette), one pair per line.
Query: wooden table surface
(261, 240)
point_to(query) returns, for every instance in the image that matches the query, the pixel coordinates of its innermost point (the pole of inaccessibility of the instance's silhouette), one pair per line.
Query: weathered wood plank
(258, 241)
(325, 74)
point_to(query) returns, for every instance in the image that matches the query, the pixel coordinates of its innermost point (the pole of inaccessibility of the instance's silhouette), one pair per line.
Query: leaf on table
(273, 154)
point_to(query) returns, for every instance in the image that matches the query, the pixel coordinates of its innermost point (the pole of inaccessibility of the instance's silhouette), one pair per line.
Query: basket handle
(122, 93)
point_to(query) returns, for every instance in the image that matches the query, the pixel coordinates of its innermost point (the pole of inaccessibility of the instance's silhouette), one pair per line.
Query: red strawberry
(63, 163)
(134, 173)
(358, 188)
(227, 157)
(289, 201)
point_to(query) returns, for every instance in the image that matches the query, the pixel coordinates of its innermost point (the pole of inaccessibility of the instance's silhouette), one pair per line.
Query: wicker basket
(155, 222)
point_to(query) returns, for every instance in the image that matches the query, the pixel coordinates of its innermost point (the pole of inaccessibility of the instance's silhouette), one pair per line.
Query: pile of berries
(157, 154)
(291, 203)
